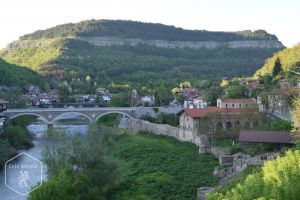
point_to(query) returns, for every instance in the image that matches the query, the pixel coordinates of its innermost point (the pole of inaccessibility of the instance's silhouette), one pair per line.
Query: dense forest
(137, 66)
(13, 75)
(57, 55)
(134, 29)
(289, 60)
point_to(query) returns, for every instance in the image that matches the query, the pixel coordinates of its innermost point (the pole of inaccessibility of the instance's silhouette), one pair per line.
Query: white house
(236, 103)
(147, 100)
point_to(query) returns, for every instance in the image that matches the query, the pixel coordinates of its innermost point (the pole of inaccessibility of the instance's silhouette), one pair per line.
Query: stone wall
(164, 129)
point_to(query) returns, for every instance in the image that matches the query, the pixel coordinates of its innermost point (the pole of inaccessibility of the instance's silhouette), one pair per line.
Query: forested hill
(287, 60)
(102, 52)
(13, 75)
(150, 31)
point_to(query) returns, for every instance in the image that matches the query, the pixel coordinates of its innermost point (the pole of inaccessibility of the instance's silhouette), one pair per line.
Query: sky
(279, 17)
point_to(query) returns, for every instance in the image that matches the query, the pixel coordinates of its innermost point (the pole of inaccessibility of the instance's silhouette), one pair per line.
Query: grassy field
(159, 167)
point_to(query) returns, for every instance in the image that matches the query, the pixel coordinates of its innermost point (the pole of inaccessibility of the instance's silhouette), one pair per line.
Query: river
(38, 130)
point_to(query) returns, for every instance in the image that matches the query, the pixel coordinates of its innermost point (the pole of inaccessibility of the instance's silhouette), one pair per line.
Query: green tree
(296, 114)
(224, 84)
(278, 179)
(18, 137)
(175, 90)
(47, 87)
(86, 170)
(211, 96)
(185, 84)
(120, 100)
(181, 98)
(277, 67)
(234, 91)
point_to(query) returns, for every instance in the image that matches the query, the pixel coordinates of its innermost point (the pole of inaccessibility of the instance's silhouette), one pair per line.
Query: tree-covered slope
(278, 179)
(134, 29)
(289, 59)
(13, 75)
(122, 52)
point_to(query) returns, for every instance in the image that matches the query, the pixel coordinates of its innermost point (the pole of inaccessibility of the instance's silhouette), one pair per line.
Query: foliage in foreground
(149, 167)
(278, 179)
(81, 169)
(238, 179)
(159, 167)
(296, 114)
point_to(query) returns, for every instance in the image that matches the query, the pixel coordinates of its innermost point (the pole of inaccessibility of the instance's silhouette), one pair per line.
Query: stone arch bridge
(51, 115)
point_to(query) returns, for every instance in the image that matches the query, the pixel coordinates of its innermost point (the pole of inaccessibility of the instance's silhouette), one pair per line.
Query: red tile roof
(252, 100)
(256, 136)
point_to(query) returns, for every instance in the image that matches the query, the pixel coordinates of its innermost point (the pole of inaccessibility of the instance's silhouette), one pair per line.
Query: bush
(18, 137)
(277, 125)
(6, 151)
(278, 179)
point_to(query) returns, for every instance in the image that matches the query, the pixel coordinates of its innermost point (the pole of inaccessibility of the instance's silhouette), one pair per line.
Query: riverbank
(14, 137)
(133, 166)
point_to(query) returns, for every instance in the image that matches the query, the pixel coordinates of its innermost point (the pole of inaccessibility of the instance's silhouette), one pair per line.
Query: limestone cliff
(110, 41)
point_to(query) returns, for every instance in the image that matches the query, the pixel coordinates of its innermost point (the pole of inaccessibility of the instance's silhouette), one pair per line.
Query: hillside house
(228, 114)
(147, 100)
(278, 138)
(190, 93)
(236, 103)
(197, 102)
(3, 106)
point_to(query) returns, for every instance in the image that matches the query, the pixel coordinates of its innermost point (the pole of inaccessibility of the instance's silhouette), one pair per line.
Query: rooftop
(3, 101)
(255, 136)
(252, 100)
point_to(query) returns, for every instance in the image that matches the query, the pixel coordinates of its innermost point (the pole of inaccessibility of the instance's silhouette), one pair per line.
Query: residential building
(239, 113)
(273, 137)
(197, 102)
(236, 103)
(3, 106)
(147, 100)
(189, 92)
(106, 98)
(103, 92)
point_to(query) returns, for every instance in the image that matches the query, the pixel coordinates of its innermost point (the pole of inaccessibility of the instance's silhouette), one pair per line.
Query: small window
(233, 105)
(240, 105)
(246, 105)
(226, 105)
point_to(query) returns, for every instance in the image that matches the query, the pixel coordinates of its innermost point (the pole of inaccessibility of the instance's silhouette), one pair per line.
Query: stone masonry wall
(164, 129)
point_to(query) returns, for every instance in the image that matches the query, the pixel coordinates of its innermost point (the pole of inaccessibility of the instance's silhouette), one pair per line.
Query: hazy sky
(280, 17)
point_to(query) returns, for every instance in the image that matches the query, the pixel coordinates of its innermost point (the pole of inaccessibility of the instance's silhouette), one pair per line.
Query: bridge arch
(55, 119)
(111, 112)
(32, 114)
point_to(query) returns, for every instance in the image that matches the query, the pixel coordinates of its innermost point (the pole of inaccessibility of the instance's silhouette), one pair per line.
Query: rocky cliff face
(110, 41)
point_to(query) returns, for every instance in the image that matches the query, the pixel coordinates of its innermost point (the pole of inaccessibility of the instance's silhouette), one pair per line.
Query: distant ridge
(152, 31)
(139, 55)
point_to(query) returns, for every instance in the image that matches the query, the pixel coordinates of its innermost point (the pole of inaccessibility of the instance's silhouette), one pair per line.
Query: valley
(133, 110)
